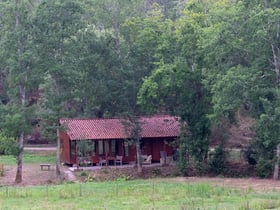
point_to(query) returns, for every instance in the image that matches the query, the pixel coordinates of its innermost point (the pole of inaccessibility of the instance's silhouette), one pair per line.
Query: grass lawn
(137, 194)
(29, 157)
(125, 195)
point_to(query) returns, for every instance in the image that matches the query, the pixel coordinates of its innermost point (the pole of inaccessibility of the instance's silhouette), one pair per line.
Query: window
(125, 148)
(106, 143)
(85, 148)
(113, 147)
(94, 149)
(72, 149)
(101, 148)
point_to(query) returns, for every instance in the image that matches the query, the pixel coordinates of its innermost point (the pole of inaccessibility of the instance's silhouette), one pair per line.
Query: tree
(57, 24)
(100, 83)
(176, 83)
(167, 86)
(110, 15)
(267, 138)
(240, 46)
(142, 36)
(132, 127)
(17, 46)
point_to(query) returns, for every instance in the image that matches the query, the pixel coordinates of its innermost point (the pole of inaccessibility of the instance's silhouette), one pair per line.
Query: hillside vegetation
(204, 61)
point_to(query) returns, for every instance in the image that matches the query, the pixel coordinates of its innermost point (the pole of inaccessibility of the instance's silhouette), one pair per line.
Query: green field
(29, 157)
(138, 194)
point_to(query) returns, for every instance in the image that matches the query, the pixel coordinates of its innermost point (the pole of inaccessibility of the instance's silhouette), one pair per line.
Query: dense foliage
(201, 60)
(8, 145)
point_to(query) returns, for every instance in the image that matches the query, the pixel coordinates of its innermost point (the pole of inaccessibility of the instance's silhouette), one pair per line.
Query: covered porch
(112, 167)
(86, 153)
(100, 152)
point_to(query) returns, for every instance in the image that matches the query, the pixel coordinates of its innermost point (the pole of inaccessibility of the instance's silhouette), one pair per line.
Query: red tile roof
(152, 127)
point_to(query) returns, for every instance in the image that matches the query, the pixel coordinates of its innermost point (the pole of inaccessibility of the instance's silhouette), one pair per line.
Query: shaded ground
(32, 175)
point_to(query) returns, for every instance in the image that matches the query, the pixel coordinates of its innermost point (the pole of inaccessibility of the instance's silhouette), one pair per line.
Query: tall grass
(137, 194)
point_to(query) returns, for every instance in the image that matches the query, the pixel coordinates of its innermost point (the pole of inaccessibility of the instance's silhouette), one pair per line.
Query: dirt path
(40, 148)
(69, 175)
(33, 175)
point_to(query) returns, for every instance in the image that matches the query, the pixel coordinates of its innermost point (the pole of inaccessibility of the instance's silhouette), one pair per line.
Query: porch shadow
(89, 168)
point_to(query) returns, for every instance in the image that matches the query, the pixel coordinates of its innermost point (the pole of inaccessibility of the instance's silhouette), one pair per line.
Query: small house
(109, 138)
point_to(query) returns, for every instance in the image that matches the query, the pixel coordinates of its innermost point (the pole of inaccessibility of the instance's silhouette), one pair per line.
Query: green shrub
(83, 173)
(8, 145)
(250, 155)
(201, 168)
(1, 170)
(218, 161)
(264, 168)
(156, 172)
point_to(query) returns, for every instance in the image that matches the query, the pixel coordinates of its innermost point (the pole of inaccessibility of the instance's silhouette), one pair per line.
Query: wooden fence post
(47, 191)
(117, 189)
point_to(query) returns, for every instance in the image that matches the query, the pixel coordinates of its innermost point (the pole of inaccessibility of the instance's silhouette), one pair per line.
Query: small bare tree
(133, 129)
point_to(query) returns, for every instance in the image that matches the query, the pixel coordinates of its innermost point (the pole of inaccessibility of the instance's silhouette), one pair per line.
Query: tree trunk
(114, 8)
(57, 153)
(139, 159)
(276, 63)
(148, 5)
(22, 90)
(18, 178)
(276, 166)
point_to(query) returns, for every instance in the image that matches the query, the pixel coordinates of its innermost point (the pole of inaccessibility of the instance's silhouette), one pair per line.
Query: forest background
(204, 61)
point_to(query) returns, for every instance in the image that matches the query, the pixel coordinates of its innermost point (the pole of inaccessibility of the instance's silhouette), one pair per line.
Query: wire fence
(150, 194)
(77, 190)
